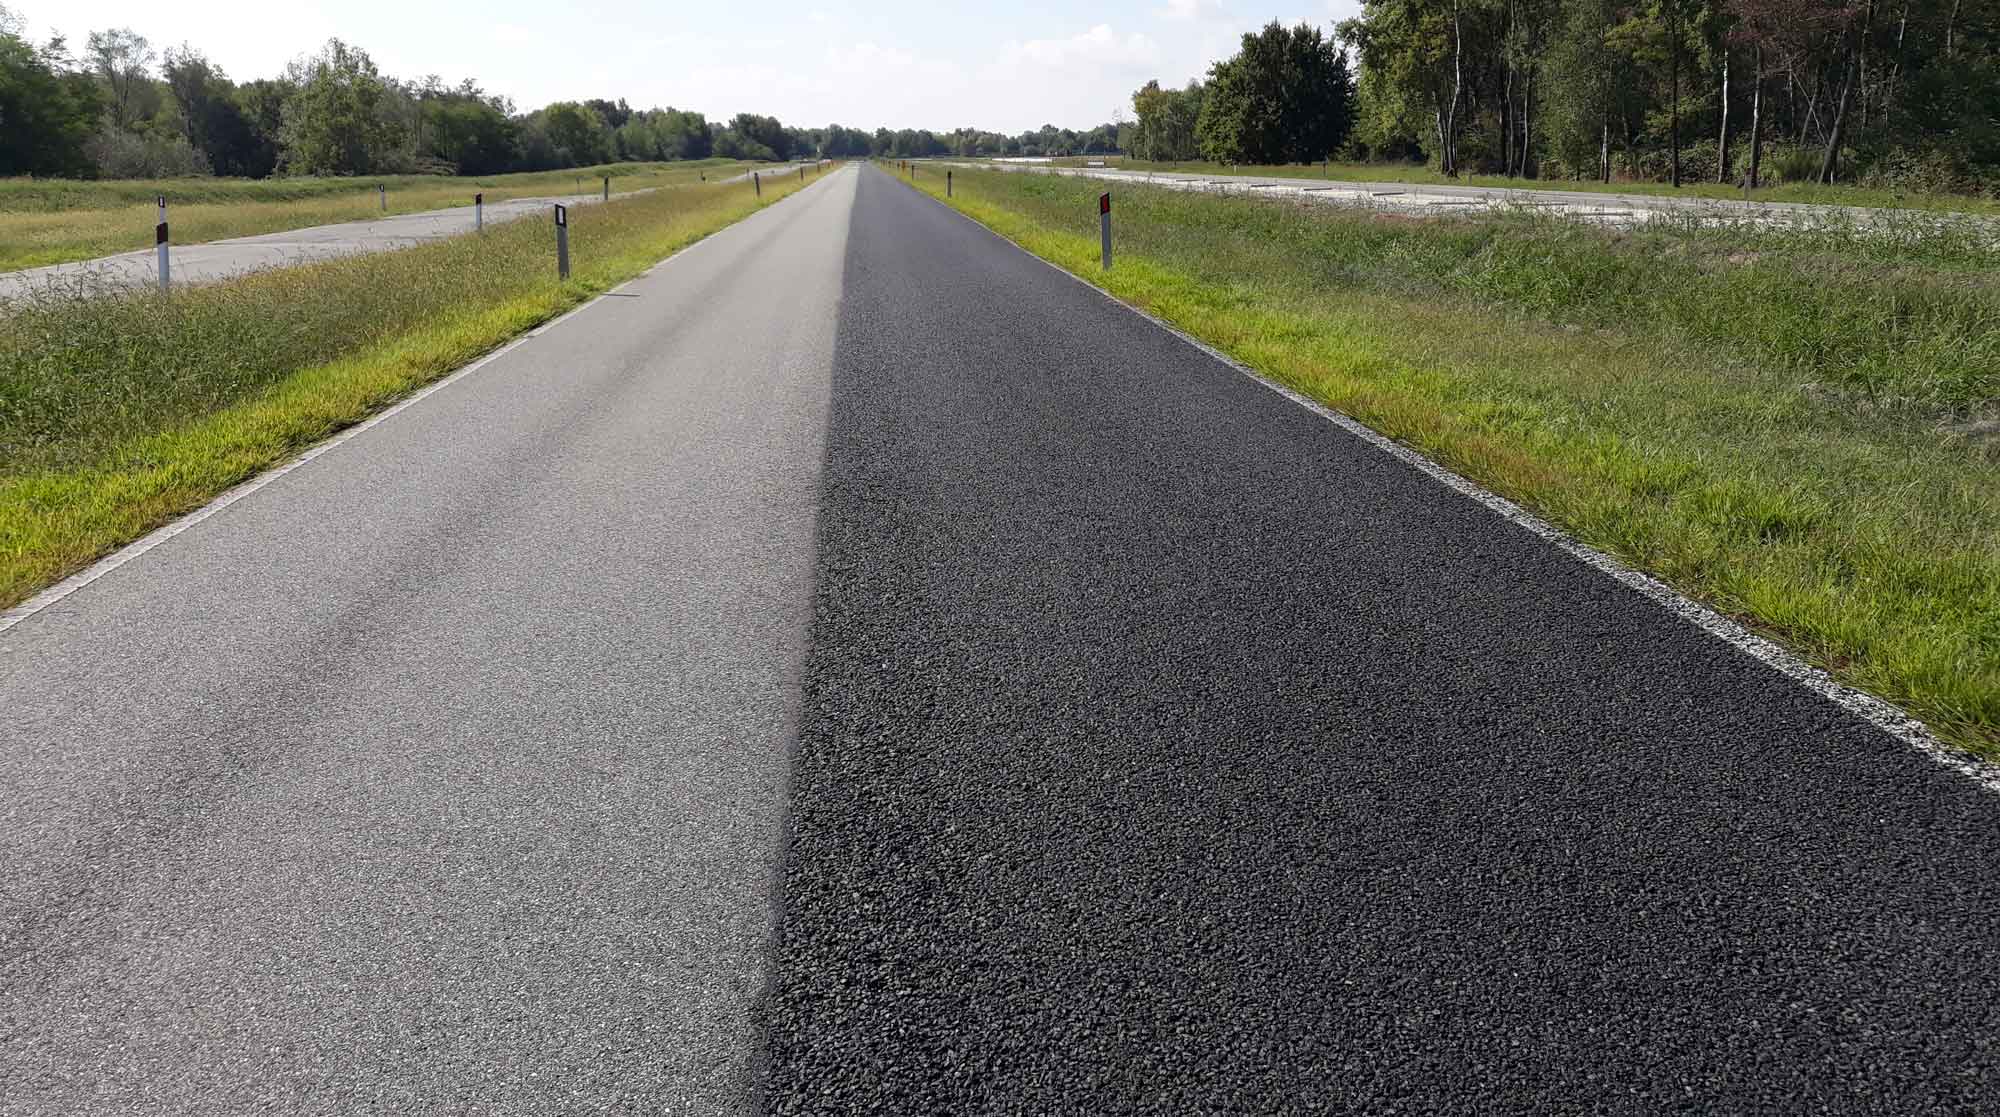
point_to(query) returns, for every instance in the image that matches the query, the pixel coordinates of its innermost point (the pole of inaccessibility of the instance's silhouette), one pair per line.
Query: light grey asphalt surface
(443, 774)
(215, 261)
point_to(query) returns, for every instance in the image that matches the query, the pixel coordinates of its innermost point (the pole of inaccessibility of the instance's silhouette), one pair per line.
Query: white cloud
(864, 58)
(1187, 11)
(1099, 49)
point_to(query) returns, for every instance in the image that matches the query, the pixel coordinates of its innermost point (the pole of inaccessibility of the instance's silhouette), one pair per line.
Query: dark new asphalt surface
(859, 669)
(1167, 749)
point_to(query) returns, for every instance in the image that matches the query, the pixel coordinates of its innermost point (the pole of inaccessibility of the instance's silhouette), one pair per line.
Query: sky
(1000, 65)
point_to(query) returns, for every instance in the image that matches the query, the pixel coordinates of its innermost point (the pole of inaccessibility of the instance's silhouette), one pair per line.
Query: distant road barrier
(562, 241)
(160, 241)
(1104, 226)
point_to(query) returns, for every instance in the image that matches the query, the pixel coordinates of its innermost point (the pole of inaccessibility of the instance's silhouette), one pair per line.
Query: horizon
(912, 66)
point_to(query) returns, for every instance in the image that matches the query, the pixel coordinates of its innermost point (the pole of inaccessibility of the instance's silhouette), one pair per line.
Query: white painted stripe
(1886, 716)
(139, 547)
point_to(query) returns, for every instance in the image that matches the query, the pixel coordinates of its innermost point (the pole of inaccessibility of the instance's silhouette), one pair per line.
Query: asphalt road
(1609, 209)
(444, 773)
(215, 261)
(860, 669)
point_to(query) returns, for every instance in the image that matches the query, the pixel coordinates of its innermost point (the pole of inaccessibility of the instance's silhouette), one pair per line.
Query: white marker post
(562, 241)
(479, 213)
(1104, 226)
(160, 240)
(382, 193)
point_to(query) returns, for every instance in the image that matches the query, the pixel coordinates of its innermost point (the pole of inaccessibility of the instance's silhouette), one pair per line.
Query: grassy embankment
(53, 221)
(119, 413)
(1756, 417)
(1804, 193)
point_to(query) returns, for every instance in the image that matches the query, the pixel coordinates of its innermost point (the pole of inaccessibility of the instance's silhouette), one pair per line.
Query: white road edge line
(159, 535)
(1883, 715)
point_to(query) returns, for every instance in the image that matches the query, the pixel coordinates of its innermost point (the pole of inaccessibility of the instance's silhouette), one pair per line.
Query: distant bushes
(129, 155)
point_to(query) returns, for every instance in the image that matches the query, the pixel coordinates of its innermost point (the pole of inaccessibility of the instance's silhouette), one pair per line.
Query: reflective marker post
(947, 184)
(607, 188)
(756, 184)
(160, 240)
(479, 213)
(562, 241)
(1104, 226)
(382, 194)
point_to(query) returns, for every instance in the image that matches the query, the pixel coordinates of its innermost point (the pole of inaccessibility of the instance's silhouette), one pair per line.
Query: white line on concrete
(1886, 716)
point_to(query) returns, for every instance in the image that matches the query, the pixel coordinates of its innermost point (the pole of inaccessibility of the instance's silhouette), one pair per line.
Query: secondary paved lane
(218, 260)
(445, 773)
(1165, 748)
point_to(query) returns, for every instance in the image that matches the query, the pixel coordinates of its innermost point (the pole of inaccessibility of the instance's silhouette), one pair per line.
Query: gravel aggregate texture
(1167, 749)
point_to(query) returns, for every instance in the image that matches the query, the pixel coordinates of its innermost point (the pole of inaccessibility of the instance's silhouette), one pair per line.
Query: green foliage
(1909, 93)
(750, 136)
(337, 122)
(119, 154)
(472, 135)
(123, 60)
(577, 132)
(46, 114)
(664, 134)
(1167, 120)
(1284, 98)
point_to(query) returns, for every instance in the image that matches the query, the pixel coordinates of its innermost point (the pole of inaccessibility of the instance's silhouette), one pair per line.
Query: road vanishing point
(856, 668)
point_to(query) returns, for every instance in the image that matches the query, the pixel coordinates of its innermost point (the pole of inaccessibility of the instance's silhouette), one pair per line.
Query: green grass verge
(119, 413)
(1802, 193)
(54, 221)
(1755, 421)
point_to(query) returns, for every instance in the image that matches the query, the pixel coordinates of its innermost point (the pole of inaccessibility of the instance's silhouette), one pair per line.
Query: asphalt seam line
(1881, 714)
(138, 547)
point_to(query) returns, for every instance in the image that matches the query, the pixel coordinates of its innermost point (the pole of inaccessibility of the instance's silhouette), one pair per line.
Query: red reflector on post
(1104, 203)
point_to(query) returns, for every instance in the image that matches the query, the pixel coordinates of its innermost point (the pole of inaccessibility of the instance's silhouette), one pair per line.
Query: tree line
(1902, 93)
(123, 109)
(1285, 97)
(1898, 92)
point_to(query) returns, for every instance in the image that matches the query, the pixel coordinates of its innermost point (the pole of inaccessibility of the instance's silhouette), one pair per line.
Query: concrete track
(1608, 209)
